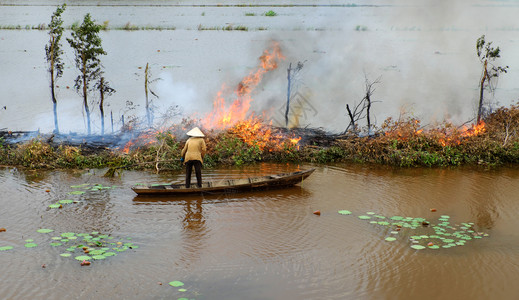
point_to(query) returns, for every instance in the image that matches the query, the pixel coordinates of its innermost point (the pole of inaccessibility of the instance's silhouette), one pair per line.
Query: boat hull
(228, 185)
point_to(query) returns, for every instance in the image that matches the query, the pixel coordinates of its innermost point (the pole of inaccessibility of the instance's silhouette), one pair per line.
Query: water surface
(264, 245)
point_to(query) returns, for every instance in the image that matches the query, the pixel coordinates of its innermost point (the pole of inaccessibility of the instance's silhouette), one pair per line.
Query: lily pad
(82, 257)
(77, 193)
(55, 205)
(434, 247)
(182, 290)
(390, 239)
(29, 240)
(55, 244)
(364, 217)
(109, 254)
(5, 248)
(344, 212)
(98, 257)
(176, 283)
(97, 252)
(65, 201)
(31, 245)
(417, 247)
(44, 230)
(65, 254)
(68, 234)
(370, 213)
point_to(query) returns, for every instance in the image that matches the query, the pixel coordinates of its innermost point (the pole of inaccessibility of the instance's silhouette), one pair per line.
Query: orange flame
(254, 132)
(146, 138)
(474, 130)
(222, 117)
(249, 128)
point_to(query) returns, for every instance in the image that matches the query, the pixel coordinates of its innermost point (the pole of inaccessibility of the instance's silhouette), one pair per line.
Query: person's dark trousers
(198, 171)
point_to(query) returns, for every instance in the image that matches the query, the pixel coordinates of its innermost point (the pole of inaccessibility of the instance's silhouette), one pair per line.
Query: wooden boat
(227, 185)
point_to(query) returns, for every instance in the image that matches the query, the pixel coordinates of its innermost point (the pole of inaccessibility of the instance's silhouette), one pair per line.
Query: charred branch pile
(312, 136)
(12, 137)
(88, 143)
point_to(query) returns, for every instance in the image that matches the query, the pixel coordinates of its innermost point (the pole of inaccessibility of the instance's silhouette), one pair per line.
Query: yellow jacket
(194, 149)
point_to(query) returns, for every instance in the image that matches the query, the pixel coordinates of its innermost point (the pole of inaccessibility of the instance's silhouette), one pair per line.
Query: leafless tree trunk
(101, 103)
(291, 74)
(482, 89)
(148, 115)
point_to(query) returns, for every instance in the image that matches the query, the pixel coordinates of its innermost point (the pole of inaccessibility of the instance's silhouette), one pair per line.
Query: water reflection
(268, 243)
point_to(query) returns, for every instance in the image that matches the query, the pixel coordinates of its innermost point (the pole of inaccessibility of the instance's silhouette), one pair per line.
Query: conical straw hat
(195, 132)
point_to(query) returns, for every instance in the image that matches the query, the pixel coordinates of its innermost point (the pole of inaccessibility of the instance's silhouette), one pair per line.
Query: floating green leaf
(82, 257)
(68, 234)
(5, 248)
(364, 217)
(176, 283)
(370, 213)
(31, 245)
(182, 290)
(417, 247)
(55, 244)
(109, 254)
(55, 205)
(97, 252)
(434, 247)
(344, 212)
(77, 193)
(98, 257)
(29, 240)
(390, 239)
(65, 254)
(44, 230)
(65, 201)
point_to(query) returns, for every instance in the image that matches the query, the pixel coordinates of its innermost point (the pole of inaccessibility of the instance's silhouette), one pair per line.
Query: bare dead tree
(369, 91)
(363, 108)
(291, 75)
(147, 83)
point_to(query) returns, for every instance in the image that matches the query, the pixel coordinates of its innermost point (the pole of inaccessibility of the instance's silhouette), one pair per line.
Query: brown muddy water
(263, 245)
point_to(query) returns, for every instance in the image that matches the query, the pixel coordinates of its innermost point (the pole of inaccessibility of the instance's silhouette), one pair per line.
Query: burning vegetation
(235, 135)
(400, 142)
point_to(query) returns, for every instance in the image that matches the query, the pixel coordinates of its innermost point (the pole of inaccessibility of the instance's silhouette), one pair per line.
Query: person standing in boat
(193, 154)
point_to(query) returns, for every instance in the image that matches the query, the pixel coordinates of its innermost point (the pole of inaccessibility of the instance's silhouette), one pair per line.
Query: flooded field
(263, 245)
(424, 54)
